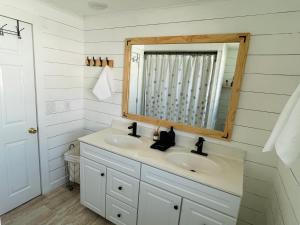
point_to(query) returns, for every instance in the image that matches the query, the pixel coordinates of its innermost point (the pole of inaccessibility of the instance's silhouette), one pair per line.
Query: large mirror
(189, 82)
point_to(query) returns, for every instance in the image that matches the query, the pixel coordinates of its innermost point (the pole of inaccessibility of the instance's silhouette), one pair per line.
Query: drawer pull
(102, 174)
(119, 215)
(175, 207)
(120, 188)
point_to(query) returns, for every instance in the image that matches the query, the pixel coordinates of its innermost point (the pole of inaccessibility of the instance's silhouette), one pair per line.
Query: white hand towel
(104, 87)
(285, 137)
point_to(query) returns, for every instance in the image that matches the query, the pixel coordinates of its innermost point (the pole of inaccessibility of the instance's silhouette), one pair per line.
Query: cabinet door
(92, 185)
(195, 214)
(157, 206)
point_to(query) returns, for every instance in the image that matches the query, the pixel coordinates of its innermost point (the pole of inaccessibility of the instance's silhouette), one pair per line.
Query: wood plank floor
(60, 207)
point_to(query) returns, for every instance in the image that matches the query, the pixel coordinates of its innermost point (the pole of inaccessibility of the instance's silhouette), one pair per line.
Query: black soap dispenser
(172, 136)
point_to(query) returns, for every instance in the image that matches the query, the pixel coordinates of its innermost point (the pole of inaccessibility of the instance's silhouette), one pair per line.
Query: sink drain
(193, 171)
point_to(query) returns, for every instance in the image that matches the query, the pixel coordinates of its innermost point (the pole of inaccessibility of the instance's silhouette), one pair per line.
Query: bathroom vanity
(127, 182)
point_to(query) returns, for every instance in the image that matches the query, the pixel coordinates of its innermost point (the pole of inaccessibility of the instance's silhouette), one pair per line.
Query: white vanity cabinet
(128, 192)
(93, 185)
(157, 206)
(196, 214)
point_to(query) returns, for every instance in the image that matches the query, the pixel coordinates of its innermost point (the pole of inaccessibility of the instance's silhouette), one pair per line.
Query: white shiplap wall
(58, 46)
(271, 73)
(62, 47)
(285, 196)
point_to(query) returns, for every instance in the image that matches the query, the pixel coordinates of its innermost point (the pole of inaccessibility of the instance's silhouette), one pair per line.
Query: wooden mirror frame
(242, 38)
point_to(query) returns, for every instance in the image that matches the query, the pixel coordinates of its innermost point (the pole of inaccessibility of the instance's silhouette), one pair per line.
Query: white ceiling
(81, 7)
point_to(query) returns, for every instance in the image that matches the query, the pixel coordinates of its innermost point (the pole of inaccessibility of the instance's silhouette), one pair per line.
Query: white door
(195, 214)
(92, 185)
(157, 206)
(19, 157)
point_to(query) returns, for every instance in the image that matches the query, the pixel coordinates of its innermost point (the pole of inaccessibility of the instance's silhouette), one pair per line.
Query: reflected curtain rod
(181, 53)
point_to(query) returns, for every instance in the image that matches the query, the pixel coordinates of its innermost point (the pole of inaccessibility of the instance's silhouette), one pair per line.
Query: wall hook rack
(17, 32)
(92, 61)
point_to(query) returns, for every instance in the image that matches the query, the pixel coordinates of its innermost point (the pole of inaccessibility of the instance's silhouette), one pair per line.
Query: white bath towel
(104, 87)
(285, 137)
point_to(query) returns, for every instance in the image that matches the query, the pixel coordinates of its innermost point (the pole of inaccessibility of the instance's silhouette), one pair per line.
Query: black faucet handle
(200, 141)
(134, 124)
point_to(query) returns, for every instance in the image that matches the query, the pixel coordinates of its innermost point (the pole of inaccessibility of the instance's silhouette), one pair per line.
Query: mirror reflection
(183, 83)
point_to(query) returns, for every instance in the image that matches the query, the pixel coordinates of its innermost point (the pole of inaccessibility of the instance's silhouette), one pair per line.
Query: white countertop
(230, 179)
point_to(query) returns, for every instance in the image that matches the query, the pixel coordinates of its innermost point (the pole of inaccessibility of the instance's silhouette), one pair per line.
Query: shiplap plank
(275, 207)
(251, 216)
(56, 42)
(262, 102)
(59, 56)
(93, 126)
(265, 158)
(255, 119)
(62, 139)
(257, 186)
(275, 44)
(105, 48)
(60, 150)
(56, 163)
(286, 209)
(259, 171)
(291, 187)
(254, 202)
(277, 23)
(59, 129)
(276, 84)
(63, 94)
(62, 69)
(64, 117)
(103, 107)
(63, 82)
(250, 135)
(57, 174)
(203, 11)
(62, 30)
(273, 64)
(99, 117)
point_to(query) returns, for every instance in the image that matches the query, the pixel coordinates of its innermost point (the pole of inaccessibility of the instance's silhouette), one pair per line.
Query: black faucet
(199, 145)
(134, 128)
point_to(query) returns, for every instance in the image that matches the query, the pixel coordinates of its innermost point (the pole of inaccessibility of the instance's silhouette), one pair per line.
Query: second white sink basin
(194, 163)
(123, 141)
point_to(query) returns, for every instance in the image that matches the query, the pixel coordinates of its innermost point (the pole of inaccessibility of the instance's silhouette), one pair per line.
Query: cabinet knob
(119, 215)
(102, 174)
(120, 188)
(175, 207)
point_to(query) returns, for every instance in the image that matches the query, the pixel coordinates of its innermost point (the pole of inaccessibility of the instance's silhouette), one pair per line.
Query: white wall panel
(270, 78)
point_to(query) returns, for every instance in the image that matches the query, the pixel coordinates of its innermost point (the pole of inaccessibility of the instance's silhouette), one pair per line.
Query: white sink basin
(194, 163)
(123, 141)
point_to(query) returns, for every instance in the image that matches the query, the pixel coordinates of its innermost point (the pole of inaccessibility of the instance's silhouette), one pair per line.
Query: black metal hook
(94, 61)
(100, 61)
(11, 32)
(1, 29)
(88, 61)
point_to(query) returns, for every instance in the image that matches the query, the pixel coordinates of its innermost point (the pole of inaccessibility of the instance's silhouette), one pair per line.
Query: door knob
(32, 130)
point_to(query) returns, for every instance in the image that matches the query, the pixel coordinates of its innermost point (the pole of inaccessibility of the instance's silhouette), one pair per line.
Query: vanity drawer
(210, 197)
(111, 160)
(119, 213)
(195, 214)
(122, 187)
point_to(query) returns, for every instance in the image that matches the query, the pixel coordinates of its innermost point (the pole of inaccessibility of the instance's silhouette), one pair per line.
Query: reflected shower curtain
(179, 87)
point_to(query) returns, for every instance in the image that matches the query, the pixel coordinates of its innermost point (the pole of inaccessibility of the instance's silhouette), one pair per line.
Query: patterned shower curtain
(179, 87)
